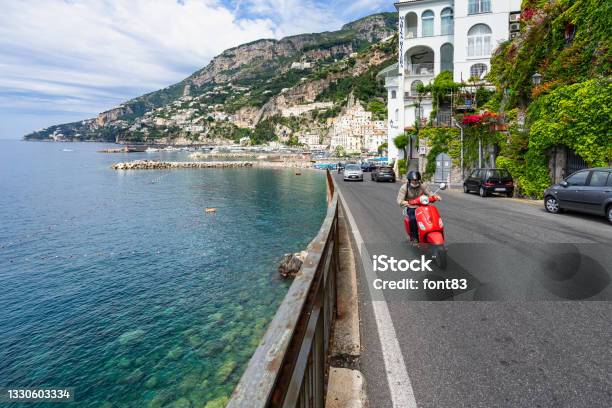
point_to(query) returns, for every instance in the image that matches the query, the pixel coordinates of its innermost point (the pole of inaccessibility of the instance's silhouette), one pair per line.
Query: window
(446, 57)
(447, 21)
(479, 41)
(393, 94)
(478, 71)
(598, 178)
(498, 173)
(414, 87)
(479, 6)
(428, 23)
(412, 22)
(396, 115)
(577, 179)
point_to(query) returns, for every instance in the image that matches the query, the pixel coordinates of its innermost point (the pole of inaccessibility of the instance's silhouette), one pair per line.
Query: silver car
(353, 172)
(588, 190)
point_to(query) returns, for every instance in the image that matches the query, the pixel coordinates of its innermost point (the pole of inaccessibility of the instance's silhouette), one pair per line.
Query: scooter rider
(411, 190)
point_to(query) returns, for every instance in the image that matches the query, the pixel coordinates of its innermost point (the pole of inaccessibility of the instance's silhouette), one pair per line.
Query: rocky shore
(155, 165)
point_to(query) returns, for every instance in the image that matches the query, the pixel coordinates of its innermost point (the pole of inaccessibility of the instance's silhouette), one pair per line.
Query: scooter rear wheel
(439, 256)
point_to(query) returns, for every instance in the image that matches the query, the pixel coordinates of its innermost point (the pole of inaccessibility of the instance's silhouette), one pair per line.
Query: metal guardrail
(289, 367)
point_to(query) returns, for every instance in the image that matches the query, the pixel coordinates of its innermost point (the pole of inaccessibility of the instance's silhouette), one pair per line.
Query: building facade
(355, 130)
(437, 36)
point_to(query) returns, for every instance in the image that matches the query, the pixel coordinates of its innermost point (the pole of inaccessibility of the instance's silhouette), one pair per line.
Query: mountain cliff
(267, 90)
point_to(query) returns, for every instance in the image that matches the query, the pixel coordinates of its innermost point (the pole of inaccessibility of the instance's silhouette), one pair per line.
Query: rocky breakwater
(155, 165)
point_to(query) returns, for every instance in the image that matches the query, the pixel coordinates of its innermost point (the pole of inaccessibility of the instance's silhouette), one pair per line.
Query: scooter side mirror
(442, 186)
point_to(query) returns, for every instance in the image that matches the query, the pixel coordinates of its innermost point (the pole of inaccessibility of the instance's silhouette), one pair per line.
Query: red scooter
(430, 227)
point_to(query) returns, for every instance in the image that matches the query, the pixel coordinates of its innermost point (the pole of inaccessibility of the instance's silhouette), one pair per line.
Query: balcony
(423, 69)
(413, 96)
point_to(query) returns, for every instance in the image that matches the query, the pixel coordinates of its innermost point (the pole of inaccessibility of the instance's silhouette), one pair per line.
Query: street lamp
(536, 78)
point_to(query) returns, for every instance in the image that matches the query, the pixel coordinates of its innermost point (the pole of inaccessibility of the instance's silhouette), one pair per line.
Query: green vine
(440, 140)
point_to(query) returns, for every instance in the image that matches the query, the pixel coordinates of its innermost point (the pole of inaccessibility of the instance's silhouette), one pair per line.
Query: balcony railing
(424, 69)
(414, 95)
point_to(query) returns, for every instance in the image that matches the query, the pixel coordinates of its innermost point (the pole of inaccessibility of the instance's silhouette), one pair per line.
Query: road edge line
(400, 386)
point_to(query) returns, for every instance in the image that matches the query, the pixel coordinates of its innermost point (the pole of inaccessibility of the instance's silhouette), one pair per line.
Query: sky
(67, 60)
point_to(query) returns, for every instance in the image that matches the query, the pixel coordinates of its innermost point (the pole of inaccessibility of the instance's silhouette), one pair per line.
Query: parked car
(383, 173)
(588, 190)
(353, 172)
(488, 181)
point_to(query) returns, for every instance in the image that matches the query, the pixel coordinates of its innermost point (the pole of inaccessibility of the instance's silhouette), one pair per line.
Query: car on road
(488, 181)
(383, 173)
(367, 166)
(353, 172)
(588, 190)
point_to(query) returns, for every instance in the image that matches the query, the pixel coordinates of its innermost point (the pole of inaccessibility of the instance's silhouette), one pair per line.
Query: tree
(378, 109)
(383, 147)
(264, 131)
(340, 152)
(401, 142)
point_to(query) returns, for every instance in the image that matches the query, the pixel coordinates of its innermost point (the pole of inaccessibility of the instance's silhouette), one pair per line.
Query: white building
(376, 136)
(301, 65)
(298, 110)
(355, 130)
(436, 36)
(309, 139)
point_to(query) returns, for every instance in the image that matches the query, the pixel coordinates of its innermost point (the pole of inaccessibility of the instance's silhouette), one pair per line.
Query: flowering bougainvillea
(481, 118)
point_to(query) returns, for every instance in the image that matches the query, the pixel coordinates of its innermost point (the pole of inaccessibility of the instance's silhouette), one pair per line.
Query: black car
(367, 166)
(588, 190)
(488, 181)
(383, 173)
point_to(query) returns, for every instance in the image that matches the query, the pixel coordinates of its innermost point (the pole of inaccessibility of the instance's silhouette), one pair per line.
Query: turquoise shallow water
(118, 284)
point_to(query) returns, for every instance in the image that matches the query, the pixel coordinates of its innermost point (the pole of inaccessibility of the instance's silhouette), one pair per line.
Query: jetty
(156, 165)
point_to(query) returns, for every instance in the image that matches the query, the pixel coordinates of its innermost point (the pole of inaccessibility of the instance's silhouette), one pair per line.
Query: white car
(353, 172)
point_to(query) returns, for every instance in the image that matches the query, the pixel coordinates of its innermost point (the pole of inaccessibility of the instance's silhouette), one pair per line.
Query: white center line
(400, 386)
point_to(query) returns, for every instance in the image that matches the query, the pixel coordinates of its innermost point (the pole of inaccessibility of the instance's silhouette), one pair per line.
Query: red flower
(471, 119)
(527, 14)
(480, 118)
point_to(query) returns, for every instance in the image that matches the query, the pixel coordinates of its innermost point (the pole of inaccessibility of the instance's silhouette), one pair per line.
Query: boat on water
(151, 150)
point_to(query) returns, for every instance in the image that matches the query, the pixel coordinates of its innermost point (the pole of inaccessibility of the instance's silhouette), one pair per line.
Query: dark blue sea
(118, 284)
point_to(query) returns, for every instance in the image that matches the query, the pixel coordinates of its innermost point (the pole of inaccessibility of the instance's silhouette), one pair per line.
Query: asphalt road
(511, 340)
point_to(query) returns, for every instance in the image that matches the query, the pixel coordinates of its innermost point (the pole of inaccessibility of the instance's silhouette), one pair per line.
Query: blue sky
(66, 60)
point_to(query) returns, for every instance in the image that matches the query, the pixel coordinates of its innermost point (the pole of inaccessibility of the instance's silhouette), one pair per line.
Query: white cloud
(86, 56)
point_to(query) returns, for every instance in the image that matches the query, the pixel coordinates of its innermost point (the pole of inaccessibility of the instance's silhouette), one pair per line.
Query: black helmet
(413, 175)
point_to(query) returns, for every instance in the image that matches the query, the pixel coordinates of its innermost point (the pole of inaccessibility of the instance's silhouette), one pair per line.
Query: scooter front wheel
(439, 256)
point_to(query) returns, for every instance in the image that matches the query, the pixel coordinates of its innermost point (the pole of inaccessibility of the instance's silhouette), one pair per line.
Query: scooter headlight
(424, 200)
(422, 226)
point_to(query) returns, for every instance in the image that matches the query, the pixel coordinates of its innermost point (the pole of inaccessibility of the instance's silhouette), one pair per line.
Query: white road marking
(400, 387)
